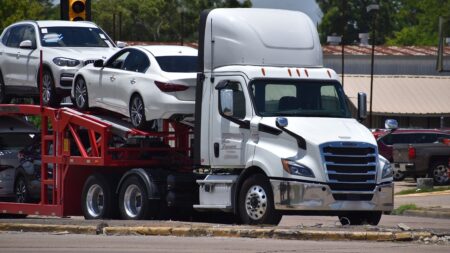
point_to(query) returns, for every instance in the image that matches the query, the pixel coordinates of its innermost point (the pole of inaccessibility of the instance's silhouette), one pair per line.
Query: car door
(133, 76)
(11, 66)
(105, 91)
(230, 144)
(28, 59)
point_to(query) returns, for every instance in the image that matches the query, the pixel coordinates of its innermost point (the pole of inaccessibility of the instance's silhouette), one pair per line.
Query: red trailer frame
(72, 159)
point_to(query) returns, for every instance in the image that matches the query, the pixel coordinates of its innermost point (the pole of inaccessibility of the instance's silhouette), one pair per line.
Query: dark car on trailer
(20, 163)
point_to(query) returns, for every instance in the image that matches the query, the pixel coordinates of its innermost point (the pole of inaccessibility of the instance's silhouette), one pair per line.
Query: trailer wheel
(439, 173)
(133, 199)
(97, 200)
(256, 204)
(360, 218)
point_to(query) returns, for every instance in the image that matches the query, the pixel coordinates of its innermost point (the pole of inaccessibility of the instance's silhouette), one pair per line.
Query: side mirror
(121, 44)
(26, 44)
(98, 63)
(281, 122)
(226, 102)
(362, 106)
(391, 124)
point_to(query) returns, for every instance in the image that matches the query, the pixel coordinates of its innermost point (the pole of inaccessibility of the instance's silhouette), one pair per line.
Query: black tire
(81, 94)
(256, 205)
(133, 200)
(4, 98)
(97, 199)
(137, 112)
(49, 96)
(22, 193)
(439, 173)
(398, 175)
(360, 218)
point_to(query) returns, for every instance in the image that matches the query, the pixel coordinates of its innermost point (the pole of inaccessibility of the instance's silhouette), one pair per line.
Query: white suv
(66, 47)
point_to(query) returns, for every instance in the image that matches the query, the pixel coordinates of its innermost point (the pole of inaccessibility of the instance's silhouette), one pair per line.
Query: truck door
(230, 124)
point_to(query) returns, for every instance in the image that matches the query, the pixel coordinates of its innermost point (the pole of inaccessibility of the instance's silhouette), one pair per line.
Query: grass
(412, 191)
(401, 209)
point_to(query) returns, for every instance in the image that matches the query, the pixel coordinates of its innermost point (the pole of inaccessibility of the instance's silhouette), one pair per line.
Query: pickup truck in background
(424, 159)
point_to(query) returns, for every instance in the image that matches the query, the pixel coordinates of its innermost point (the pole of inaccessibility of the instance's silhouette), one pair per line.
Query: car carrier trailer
(273, 135)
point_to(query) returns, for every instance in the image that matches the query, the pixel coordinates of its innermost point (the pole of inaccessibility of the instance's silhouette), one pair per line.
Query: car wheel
(360, 218)
(439, 172)
(133, 200)
(398, 175)
(81, 94)
(97, 200)
(256, 202)
(4, 99)
(49, 96)
(137, 112)
(21, 191)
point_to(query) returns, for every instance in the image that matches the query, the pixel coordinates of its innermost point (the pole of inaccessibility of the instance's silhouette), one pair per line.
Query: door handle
(18, 55)
(133, 81)
(112, 78)
(216, 149)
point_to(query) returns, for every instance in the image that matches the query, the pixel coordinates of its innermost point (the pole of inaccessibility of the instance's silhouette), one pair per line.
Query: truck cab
(273, 125)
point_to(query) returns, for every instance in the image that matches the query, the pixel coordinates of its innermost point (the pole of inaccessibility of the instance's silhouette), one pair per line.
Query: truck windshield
(73, 37)
(299, 98)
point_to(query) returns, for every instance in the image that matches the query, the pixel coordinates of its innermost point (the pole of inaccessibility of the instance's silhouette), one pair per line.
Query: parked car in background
(423, 160)
(143, 83)
(20, 163)
(66, 46)
(406, 136)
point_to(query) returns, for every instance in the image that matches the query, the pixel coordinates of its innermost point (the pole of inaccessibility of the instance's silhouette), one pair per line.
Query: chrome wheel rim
(136, 111)
(21, 191)
(256, 202)
(95, 200)
(132, 201)
(46, 88)
(398, 174)
(440, 174)
(80, 93)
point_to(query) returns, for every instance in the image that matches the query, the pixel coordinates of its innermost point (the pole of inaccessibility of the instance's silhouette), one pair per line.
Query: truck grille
(351, 168)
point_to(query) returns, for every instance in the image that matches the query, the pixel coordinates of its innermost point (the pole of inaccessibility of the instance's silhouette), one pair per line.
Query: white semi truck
(273, 135)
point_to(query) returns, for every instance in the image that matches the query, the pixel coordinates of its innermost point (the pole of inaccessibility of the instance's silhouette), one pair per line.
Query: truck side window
(232, 101)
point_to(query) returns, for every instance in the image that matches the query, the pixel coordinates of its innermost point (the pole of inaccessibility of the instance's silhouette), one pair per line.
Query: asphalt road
(68, 243)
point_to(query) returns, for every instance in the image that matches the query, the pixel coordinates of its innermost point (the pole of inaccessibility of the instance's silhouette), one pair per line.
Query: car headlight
(387, 170)
(297, 169)
(61, 61)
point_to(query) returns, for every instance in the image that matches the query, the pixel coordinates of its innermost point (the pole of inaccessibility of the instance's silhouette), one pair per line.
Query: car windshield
(299, 98)
(177, 63)
(15, 141)
(73, 37)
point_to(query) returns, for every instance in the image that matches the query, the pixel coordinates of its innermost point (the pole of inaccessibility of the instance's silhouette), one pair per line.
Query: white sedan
(143, 83)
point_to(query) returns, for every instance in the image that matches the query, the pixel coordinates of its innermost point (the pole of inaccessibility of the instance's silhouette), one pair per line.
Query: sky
(309, 7)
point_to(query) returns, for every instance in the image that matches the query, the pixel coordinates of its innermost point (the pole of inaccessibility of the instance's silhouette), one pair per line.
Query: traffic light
(76, 10)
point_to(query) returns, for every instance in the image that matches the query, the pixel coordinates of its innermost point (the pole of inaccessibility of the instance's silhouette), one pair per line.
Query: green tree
(13, 11)
(353, 17)
(418, 21)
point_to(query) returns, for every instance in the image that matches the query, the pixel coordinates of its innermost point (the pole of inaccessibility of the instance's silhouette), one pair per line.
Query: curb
(274, 233)
(427, 213)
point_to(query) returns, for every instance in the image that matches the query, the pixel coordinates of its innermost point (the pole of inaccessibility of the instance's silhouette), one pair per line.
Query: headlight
(294, 168)
(387, 170)
(61, 61)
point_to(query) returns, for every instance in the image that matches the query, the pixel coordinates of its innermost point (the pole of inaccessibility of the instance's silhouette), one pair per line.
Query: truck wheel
(256, 202)
(360, 218)
(133, 199)
(81, 94)
(4, 99)
(21, 190)
(97, 200)
(439, 172)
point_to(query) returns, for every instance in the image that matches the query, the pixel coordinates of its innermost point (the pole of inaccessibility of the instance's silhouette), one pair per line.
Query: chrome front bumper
(299, 196)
